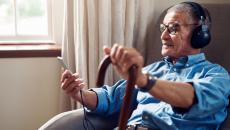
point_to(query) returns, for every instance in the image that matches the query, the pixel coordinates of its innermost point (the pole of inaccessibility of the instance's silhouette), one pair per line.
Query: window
(25, 20)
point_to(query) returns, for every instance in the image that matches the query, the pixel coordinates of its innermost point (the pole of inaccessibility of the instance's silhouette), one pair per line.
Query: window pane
(6, 18)
(32, 17)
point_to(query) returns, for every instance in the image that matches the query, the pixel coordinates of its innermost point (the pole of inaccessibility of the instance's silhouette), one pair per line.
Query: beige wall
(29, 90)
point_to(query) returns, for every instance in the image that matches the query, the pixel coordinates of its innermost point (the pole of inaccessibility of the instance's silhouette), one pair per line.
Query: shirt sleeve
(110, 98)
(212, 91)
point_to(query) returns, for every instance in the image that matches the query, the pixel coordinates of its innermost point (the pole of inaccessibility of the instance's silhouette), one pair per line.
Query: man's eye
(173, 28)
(162, 27)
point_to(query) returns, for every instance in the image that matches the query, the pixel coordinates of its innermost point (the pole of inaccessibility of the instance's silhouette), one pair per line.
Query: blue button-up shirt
(210, 81)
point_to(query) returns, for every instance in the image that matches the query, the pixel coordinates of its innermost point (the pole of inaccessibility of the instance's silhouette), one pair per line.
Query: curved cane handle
(125, 109)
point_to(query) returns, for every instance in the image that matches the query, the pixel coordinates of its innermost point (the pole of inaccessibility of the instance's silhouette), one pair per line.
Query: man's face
(176, 40)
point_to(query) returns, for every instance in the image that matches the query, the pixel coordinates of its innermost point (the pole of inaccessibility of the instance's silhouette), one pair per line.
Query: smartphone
(60, 59)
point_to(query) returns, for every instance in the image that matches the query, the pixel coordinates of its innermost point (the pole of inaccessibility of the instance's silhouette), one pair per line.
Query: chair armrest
(73, 120)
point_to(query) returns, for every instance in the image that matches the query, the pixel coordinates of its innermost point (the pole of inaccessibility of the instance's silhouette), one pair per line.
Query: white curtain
(91, 24)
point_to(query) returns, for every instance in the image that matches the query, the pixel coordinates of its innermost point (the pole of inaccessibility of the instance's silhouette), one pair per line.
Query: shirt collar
(194, 59)
(187, 60)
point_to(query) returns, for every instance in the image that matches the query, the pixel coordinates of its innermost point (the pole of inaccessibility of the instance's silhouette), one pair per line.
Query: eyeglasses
(172, 27)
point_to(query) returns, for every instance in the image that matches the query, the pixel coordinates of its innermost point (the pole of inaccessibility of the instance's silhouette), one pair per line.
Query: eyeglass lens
(172, 28)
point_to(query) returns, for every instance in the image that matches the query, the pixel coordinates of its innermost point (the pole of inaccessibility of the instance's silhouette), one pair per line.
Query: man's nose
(165, 34)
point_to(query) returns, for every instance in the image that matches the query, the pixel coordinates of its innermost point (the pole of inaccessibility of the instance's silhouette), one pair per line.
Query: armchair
(73, 120)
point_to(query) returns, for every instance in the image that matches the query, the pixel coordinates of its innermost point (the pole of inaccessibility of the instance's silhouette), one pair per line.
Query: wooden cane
(125, 109)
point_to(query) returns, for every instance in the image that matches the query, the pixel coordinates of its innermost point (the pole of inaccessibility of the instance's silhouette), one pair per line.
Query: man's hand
(123, 58)
(72, 84)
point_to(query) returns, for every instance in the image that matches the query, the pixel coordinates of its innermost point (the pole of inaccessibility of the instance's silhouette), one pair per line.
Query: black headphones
(201, 35)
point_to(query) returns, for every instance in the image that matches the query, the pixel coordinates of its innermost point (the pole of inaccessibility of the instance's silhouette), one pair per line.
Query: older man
(182, 91)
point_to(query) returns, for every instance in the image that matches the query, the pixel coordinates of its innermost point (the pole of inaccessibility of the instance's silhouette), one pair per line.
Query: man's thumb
(106, 50)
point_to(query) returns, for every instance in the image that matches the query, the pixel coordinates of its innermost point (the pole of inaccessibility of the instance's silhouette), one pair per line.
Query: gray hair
(193, 13)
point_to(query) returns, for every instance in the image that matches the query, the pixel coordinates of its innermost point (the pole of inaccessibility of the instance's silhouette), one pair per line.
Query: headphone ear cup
(201, 37)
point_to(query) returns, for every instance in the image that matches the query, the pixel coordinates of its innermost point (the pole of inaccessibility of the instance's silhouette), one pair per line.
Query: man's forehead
(178, 17)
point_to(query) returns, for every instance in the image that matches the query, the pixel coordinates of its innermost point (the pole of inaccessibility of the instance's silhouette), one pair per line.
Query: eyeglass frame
(174, 27)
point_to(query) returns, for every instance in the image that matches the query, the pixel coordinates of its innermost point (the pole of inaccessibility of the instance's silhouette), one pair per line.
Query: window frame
(42, 47)
(28, 38)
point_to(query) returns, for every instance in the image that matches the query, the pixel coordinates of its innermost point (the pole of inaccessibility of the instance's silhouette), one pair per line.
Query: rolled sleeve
(211, 93)
(102, 101)
(109, 98)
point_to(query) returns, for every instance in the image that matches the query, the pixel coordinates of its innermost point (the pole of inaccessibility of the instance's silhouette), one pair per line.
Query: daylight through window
(24, 20)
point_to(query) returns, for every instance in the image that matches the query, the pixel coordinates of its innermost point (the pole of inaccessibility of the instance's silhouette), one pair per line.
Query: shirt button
(146, 117)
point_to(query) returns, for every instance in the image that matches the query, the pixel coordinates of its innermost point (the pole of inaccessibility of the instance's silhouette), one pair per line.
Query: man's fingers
(67, 82)
(119, 52)
(76, 75)
(73, 85)
(113, 53)
(81, 86)
(65, 74)
(74, 92)
(106, 50)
